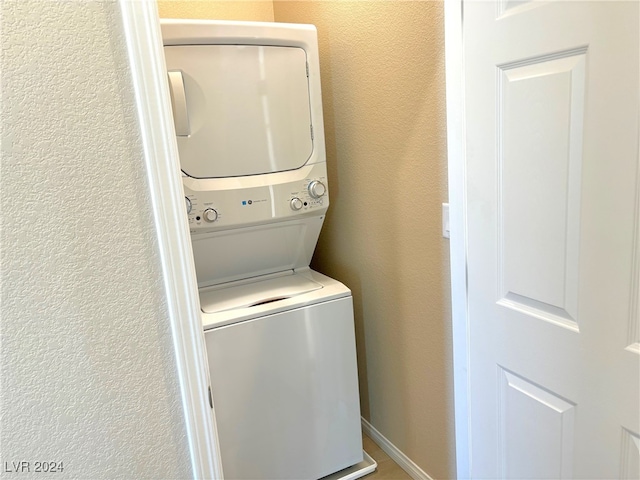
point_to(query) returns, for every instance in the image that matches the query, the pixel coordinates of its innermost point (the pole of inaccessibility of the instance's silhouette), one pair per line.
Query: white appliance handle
(179, 103)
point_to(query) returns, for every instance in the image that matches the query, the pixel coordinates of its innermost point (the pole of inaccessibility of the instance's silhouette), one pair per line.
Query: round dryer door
(240, 109)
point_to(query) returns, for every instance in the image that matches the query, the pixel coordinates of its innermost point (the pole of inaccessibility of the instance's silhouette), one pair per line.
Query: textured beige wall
(252, 10)
(87, 366)
(382, 66)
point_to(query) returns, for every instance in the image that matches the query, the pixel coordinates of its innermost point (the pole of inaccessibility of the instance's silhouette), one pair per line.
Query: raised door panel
(630, 468)
(540, 133)
(634, 308)
(537, 430)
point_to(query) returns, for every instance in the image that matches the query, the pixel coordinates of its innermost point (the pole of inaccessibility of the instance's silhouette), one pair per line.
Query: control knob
(317, 189)
(188, 202)
(210, 215)
(296, 203)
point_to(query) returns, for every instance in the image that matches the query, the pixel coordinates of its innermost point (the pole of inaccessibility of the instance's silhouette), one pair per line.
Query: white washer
(280, 337)
(284, 376)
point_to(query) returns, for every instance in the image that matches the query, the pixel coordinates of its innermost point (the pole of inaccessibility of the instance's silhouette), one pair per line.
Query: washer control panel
(220, 208)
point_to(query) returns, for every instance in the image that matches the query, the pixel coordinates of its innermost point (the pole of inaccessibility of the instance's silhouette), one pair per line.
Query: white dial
(296, 203)
(210, 215)
(188, 202)
(317, 189)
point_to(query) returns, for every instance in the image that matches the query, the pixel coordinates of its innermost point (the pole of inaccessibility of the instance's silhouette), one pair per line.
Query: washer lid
(255, 293)
(240, 109)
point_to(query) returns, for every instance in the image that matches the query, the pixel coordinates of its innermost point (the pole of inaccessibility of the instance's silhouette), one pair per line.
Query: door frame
(141, 26)
(454, 70)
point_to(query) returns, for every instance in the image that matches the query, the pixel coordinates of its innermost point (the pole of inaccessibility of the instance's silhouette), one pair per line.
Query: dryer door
(240, 109)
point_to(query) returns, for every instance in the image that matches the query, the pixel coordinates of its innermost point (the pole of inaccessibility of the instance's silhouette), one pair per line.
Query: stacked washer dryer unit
(280, 336)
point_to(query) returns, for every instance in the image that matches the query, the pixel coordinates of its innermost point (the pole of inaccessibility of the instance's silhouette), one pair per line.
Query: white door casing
(457, 225)
(551, 144)
(141, 27)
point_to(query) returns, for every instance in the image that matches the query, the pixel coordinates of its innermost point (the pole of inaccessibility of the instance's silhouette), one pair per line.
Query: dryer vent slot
(264, 302)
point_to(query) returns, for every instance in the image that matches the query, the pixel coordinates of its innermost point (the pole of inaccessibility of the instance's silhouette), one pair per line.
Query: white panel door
(552, 108)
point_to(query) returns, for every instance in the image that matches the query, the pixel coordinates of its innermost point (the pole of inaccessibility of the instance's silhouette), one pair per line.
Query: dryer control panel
(217, 204)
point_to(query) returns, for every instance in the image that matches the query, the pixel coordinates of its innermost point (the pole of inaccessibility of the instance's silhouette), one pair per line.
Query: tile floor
(387, 468)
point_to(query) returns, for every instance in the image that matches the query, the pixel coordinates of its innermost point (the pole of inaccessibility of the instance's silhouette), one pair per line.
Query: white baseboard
(413, 470)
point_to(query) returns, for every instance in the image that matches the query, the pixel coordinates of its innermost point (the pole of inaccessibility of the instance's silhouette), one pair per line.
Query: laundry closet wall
(87, 368)
(383, 86)
(248, 10)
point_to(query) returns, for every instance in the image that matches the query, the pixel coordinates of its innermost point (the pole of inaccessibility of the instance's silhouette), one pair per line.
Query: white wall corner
(144, 43)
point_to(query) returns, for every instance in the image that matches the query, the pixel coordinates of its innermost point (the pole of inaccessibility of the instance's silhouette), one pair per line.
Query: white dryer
(280, 337)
